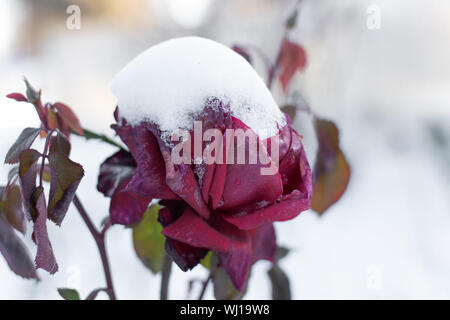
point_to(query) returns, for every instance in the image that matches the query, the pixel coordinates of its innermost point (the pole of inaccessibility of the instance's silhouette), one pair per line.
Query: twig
(99, 238)
(205, 285)
(165, 276)
(44, 155)
(290, 23)
(89, 135)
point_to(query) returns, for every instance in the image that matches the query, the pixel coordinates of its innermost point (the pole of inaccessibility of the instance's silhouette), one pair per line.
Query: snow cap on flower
(169, 83)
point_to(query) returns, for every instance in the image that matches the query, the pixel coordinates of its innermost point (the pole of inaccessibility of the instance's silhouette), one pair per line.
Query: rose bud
(215, 179)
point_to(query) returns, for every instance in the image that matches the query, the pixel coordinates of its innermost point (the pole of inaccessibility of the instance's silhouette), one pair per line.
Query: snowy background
(388, 90)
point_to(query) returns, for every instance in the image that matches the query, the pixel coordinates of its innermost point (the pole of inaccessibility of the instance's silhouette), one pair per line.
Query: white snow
(170, 82)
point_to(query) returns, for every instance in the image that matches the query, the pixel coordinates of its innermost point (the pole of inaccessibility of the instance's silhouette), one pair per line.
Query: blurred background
(386, 85)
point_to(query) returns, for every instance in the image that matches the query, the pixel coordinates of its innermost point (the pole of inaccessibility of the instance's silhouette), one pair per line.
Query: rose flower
(226, 205)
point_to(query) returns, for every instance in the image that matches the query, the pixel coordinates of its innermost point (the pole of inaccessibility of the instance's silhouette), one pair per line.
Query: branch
(165, 276)
(205, 285)
(44, 155)
(99, 238)
(89, 135)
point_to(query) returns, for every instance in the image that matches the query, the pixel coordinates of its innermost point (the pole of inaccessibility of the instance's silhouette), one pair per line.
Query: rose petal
(126, 207)
(288, 207)
(294, 168)
(182, 181)
(264, 244)
(237, 263)
(297, 189)
(184, 255)
(118, 167)
(149, 177)
(244, 183)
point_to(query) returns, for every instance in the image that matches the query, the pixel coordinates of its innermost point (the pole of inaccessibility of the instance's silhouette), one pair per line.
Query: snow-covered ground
(387, 89)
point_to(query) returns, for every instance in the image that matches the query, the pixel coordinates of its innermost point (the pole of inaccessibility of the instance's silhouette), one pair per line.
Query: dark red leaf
(15, 252)
(69, 117)
(62, 126)
(65, 176)
(12, 208)
(59, 143)
(292, 59)
(331, 170)
(22, 143)
(17, 96)
(27, 178)
(45, 258)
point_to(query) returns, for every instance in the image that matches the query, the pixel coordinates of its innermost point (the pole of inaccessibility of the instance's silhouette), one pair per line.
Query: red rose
(226, 208)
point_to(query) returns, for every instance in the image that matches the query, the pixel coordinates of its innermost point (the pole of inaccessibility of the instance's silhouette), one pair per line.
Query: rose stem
(274, 68)
(205, 285)
(99, 238)
(165, 275)
(44, 155)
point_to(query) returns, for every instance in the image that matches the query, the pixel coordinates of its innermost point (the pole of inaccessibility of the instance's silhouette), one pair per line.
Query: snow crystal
(170, 83)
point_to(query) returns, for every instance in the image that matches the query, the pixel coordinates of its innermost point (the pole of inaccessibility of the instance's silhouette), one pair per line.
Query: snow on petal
(170, 82)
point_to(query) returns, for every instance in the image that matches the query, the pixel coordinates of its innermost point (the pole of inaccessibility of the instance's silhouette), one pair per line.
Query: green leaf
(292, 20)
(223, 286)
(331, 170)
(59, 143)
(32, 95)
(15, 252)
(281, 253)
(22, 143)
(65, 176)
(148, 240)
(206, 261)
(68, 294)
(68, 117)
(281, 289)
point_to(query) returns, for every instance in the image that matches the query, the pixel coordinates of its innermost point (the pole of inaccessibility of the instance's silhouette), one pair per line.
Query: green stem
(90, 135)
